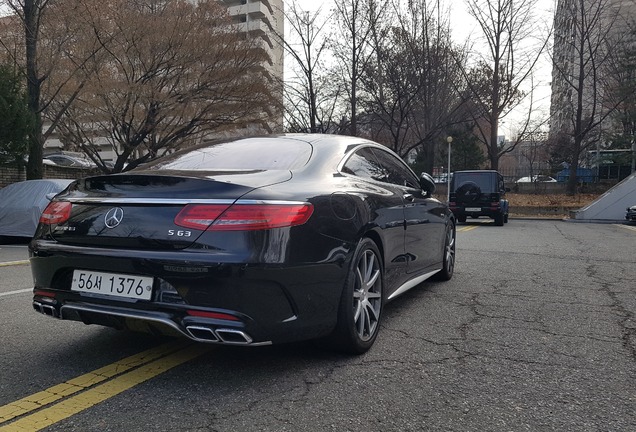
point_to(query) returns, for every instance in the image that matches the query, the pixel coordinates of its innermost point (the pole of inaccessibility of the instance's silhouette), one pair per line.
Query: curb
(568, 219)
(596, 221)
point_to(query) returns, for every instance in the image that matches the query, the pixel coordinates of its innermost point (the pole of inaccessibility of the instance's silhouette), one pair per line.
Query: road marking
(119, 376)
(14, 263)
(467, 228)
(632, 228)
(15, 292)
(52, 394)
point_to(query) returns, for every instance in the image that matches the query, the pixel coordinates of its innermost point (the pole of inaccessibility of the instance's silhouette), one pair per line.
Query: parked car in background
(537, 179)
(22, 203)
(66, 160)
(245, 242)
(441, 178)
(479, 193)
(631, 214)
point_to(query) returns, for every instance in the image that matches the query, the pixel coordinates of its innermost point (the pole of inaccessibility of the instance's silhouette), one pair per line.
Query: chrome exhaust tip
(45, 309)
(204, 334)
(223, 335)
(233, 337)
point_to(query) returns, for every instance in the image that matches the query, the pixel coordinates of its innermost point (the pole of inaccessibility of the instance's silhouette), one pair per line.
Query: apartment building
(262, 19)
(585, 31)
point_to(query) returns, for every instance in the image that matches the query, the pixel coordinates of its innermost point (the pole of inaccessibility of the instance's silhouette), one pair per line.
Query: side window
(397, 172)
(363, 163)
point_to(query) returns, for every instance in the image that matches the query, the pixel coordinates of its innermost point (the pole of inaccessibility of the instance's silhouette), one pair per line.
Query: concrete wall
(611, 206)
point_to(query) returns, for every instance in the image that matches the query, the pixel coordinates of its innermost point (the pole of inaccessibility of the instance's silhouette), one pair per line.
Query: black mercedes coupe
(247, 241)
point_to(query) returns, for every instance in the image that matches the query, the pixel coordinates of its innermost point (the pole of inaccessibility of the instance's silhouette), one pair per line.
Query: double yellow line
(467, 228)
(42, 409)
(14, 263)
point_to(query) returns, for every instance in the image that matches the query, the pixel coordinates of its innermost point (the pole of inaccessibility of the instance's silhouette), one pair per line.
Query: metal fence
(603, 174)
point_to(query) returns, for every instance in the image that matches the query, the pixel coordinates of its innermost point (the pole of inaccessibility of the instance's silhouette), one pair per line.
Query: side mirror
(427, 184)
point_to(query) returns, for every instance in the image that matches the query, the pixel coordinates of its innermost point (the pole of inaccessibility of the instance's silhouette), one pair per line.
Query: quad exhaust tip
(231, 336)
(202, 333)
(222, 335)
(45, 309)
(199, 333)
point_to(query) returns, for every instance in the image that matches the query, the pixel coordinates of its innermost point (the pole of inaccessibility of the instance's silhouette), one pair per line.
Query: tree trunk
(493, 148)
(571, 186)
(34, 165)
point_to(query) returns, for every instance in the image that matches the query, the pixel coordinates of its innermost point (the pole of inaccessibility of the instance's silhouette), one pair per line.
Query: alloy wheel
(450, 250)
(367, 294)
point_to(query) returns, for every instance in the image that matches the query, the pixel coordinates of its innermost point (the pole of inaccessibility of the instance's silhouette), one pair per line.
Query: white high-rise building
(264, 19)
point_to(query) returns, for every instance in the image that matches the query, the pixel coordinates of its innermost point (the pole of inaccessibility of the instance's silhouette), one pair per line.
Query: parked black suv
(479, 193)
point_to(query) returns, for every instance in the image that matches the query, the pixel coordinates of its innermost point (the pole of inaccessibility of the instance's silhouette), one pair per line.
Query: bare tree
(534, 154)
(48, 31)
(356, 34)
(588, 31)
(514, 44)
(310, 94)
(148, 91)
(411, 85)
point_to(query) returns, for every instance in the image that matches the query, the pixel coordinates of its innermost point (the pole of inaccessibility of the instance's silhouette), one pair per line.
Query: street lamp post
(449, 140)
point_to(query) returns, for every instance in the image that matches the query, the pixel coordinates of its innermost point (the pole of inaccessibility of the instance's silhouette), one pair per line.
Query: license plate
(112, 284)
(473, 209)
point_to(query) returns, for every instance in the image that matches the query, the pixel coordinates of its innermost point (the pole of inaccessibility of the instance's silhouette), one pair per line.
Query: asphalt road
(535, 332)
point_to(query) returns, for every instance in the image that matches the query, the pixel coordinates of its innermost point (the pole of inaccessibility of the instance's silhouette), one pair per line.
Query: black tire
(468, 192)
(361, 303)
(499, 219)
(446, 273)
(461, 219)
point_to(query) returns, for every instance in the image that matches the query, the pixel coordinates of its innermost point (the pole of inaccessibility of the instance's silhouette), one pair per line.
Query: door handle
(408, 197)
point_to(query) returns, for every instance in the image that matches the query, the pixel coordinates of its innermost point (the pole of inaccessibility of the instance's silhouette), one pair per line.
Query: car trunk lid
(139, 210)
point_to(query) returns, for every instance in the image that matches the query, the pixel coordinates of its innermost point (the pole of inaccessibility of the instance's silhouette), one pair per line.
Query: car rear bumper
(474, 212)
(164, 323)
(196, 296)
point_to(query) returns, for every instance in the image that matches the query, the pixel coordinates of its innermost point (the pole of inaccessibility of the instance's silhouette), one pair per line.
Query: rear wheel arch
(449, 253)
(361, 302)
(375, 237)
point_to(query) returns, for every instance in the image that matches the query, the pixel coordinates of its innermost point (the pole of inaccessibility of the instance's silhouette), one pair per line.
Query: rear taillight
(243, 217)
(56, 212)
(199, 216)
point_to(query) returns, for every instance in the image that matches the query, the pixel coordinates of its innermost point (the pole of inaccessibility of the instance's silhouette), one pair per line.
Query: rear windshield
(483, 180)
(245, 154)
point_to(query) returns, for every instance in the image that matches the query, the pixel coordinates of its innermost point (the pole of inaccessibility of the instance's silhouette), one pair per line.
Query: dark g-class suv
(479, 193)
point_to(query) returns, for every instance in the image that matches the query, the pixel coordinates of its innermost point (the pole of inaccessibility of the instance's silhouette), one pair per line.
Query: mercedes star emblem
(114, 217)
